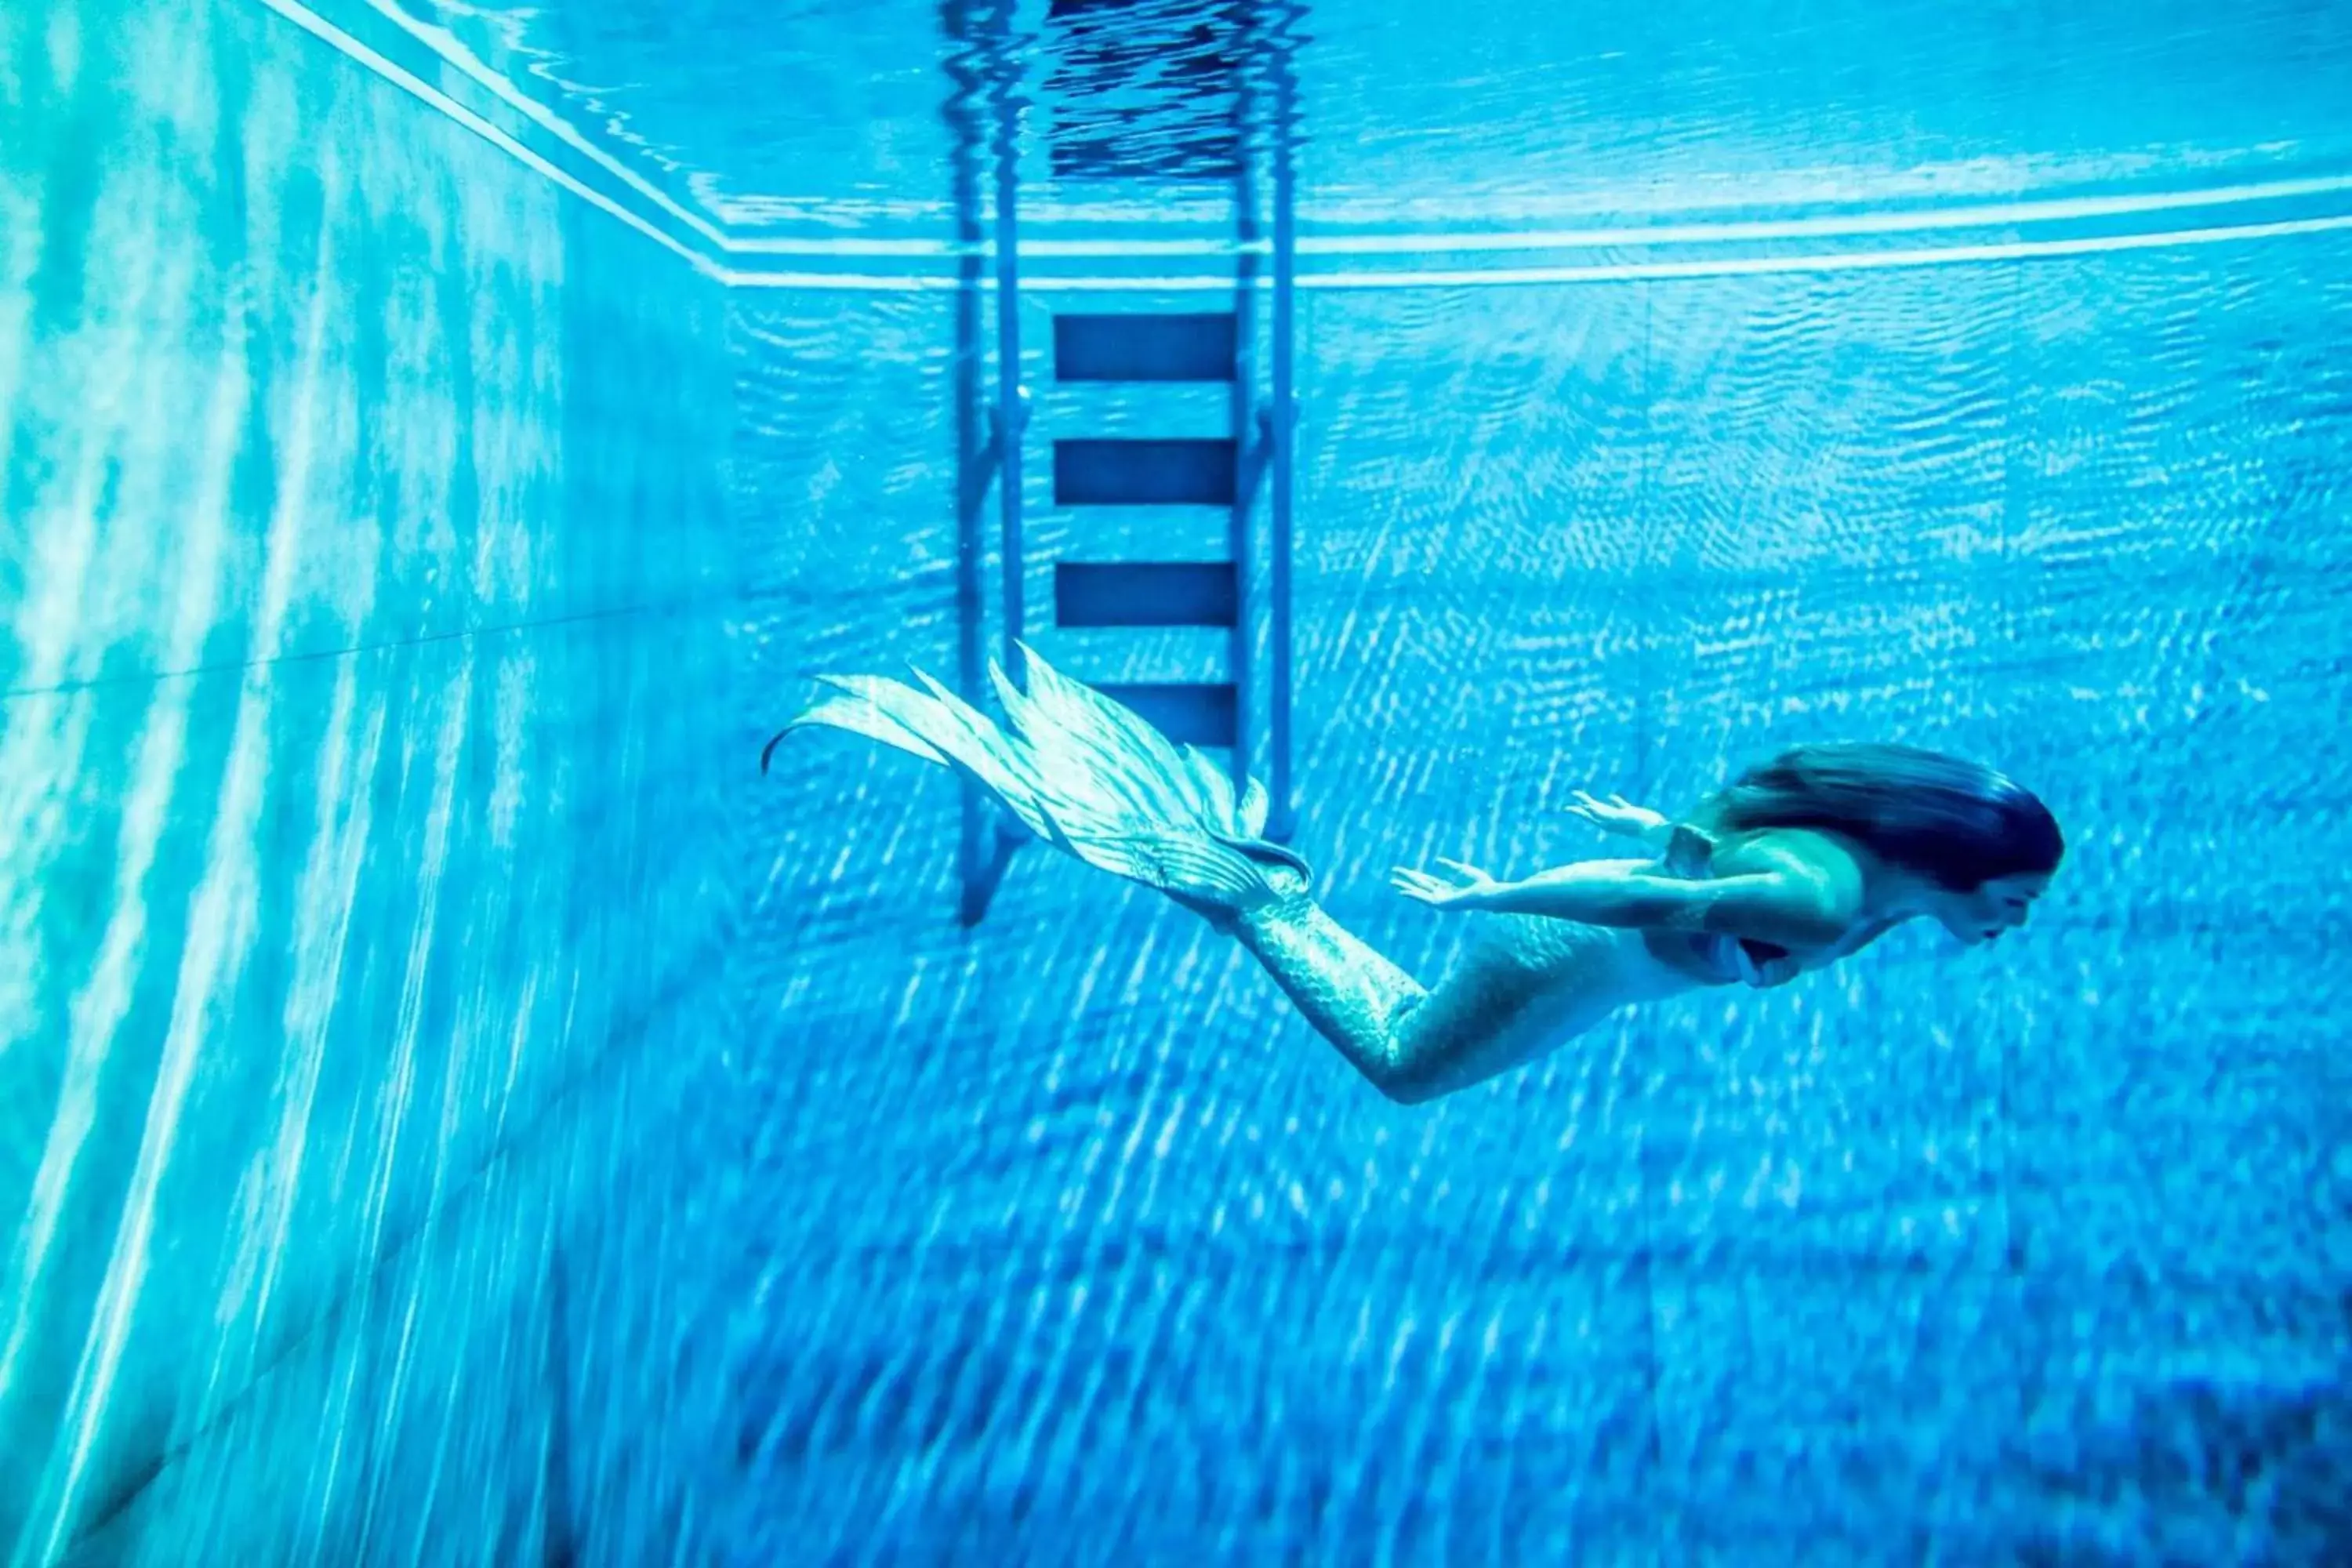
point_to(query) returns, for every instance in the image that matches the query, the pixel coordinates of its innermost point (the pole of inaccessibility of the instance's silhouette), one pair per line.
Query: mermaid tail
(1083, 773)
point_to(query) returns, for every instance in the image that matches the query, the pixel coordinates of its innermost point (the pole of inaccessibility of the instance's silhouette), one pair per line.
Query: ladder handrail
(1012, 398)
(976, 460)
(1281, 816)
(1242, 643)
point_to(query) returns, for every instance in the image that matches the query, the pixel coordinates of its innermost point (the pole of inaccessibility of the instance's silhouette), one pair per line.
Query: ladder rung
(1097, 472)
(1137, 346)
(1191, 713)
(1146, 594)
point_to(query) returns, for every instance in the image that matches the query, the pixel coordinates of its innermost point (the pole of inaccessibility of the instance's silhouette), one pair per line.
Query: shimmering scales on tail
(1078, 771)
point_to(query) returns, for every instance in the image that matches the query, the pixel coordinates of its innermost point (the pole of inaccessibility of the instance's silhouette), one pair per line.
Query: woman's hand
(1467, 888)
(1618, 816)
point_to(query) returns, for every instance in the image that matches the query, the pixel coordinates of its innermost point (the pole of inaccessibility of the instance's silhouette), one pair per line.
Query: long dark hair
(1958, 823)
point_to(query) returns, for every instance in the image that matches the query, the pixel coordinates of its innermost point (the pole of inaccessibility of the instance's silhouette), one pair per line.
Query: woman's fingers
(1613, 812)
(1421, 885)
(1432, 889)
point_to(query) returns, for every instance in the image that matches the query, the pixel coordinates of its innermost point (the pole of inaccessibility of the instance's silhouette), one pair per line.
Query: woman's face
(1999, 905)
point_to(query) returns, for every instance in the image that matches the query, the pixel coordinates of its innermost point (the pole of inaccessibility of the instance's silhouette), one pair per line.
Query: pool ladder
(1240, 714)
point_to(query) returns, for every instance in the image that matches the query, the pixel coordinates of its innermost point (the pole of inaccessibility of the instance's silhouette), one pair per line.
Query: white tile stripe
(446, 45)
(2001, 214)
(433, 98)
(1613, 272)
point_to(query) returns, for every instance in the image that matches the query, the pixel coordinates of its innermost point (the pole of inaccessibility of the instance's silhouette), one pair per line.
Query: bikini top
(1690, 856)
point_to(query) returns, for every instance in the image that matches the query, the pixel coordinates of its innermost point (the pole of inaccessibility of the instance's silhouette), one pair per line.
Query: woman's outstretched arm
(1790, 906)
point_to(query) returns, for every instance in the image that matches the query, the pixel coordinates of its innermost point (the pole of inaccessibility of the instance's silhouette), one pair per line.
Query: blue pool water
(454, 1108)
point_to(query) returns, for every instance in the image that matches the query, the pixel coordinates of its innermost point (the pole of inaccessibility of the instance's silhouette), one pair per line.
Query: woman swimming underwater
(1797, 864)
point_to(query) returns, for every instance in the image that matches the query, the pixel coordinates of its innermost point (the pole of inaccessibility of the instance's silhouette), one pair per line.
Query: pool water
(455, 1108)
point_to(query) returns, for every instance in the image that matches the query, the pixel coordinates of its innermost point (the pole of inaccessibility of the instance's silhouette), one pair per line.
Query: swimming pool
(460, 1109)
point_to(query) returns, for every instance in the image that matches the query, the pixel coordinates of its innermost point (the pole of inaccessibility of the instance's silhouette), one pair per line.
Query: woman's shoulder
(1813, 851)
